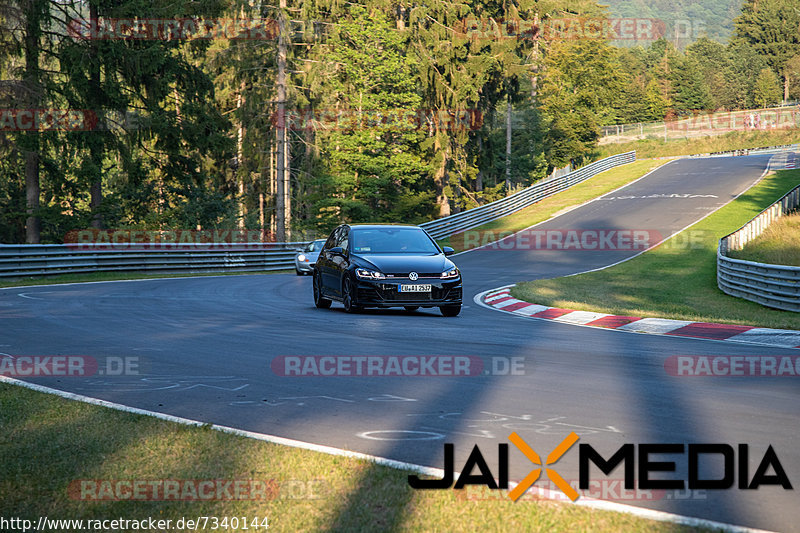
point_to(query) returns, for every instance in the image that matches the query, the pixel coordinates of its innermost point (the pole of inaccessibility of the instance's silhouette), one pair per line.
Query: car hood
(405, 263)
(312, 256)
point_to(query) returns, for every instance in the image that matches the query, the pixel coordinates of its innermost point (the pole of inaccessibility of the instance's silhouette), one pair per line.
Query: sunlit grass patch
(677, 279)
(778, 245)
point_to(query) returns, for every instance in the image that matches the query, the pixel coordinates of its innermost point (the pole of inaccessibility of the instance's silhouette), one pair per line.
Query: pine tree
(771, 27)
(767, 90)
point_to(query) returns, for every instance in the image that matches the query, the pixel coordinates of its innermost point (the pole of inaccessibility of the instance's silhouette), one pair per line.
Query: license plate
(414, 288)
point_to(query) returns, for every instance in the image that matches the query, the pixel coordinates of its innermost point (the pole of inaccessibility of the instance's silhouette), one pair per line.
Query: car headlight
(364, 273)
(302, 258)
(450, 274)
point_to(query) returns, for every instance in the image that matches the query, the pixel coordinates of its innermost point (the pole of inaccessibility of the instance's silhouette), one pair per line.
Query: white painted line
(23, 295)
(660, 516)
(659, 326)
(580, 317)
(225, 429)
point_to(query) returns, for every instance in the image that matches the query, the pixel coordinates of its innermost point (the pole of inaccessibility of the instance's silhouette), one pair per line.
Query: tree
(791, 72)
(160, 159)
(746, 63)
(583, 79)
(690, 91)
(771, 28)
(374, 169)
(35, 15)
(656, 103)
(458, 73)
(715, 64)
(767, 89)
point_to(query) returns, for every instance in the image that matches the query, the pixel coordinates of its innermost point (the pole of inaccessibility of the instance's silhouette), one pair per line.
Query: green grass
(48, 442)
(778, 245)
(677, 279)
(116, 276)
(701, 145)
(576, 195)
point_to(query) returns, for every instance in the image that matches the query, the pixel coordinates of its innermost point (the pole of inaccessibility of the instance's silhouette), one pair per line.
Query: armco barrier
(775, 286)
(446, 226)
(785, 148)
(46, 259)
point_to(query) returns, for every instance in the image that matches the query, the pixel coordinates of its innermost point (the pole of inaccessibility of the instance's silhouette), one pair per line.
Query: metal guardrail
(740, 152)
(756, 151)
(775, 286)
(447, 226)
(48, 259)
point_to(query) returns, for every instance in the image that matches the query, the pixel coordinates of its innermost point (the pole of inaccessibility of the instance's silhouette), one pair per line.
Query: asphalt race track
(206, 345)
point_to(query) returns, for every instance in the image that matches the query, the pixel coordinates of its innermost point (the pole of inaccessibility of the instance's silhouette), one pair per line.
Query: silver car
(304, 261)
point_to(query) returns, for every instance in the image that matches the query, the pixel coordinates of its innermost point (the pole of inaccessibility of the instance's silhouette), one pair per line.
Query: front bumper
(384, 293)
(303, 266)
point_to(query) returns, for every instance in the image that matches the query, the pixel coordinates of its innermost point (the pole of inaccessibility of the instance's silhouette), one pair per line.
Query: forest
(291, 118)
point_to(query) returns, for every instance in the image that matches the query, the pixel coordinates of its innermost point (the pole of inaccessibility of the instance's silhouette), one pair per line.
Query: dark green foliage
(188, 127)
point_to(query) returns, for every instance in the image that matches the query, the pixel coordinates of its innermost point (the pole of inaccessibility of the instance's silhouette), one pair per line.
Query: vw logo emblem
(413, 276)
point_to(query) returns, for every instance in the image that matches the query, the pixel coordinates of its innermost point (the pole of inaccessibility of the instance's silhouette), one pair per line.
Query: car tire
(450, 310)
(296, 271)
(411, 308)
(347, 297)
(319, 301)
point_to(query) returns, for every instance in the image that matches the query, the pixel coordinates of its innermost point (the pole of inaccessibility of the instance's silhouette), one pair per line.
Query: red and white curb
(501, 300)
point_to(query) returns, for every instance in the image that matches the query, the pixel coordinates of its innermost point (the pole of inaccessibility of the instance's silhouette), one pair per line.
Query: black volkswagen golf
(386, 266)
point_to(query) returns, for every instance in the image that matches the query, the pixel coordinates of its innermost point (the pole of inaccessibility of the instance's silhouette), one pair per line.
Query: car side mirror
(447, 250)
(337, 250)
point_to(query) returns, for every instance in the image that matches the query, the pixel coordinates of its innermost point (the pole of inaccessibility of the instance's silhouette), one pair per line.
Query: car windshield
(391, 240)
(315, 246)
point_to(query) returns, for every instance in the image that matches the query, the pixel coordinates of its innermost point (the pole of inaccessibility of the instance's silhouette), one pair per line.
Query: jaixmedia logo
(638, 466)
